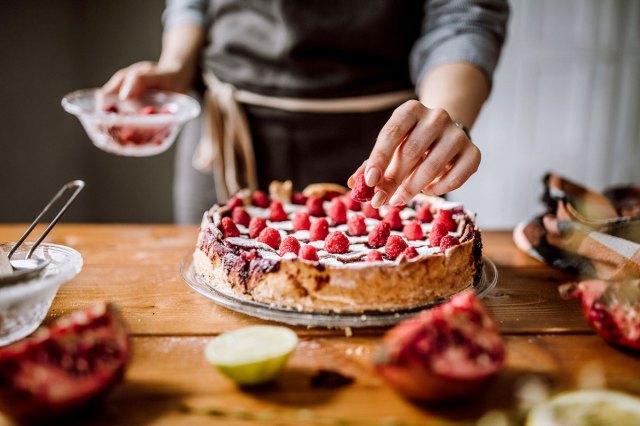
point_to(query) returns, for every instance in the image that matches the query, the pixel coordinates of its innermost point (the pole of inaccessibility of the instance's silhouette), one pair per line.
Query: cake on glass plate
(328, 250)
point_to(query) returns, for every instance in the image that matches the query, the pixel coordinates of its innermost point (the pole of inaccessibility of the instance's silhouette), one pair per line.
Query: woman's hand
(134, 80)
(418, 150)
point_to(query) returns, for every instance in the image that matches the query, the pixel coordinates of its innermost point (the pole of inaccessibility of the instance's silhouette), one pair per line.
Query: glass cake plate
(290, 316)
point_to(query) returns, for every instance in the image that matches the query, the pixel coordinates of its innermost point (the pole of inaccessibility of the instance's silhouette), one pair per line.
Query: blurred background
(566, 98)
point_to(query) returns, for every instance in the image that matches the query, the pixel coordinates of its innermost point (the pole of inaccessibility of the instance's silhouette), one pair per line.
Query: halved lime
(587, 408)
(252, 355)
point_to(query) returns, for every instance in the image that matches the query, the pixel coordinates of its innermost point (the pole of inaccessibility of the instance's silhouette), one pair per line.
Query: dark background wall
(47, 49)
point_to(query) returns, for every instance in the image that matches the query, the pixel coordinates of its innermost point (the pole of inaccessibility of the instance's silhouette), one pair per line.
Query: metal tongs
(29, 267)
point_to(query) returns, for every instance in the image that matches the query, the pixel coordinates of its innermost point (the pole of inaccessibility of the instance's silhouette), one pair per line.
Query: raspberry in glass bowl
(137, 128)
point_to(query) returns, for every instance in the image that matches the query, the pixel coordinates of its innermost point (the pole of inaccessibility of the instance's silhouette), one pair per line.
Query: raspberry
(229, 229)
(319, 230)
(393, 218)
(446, 218)
(337, 242)
(356, 225)
(314, 205)
(308, 252)
(412, 231)
(234, 202)
(149, 110)
(448, 241)
(395, 245)
(298, 198)
(351, 204)
(289, 245)
(410, 252)
(270, 237)
(370, 212)
(277, 213)
(256, 226)
(111, 108)
(374, 256)
(337, 211)
(378, 235)
(424, 214)
(330, 195)
(361, 192)
(301, 221)
(240, 216)
(260, 199)
(438, 230)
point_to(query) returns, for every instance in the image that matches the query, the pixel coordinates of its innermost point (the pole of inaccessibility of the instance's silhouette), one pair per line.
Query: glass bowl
(137, 128)
(24, 305)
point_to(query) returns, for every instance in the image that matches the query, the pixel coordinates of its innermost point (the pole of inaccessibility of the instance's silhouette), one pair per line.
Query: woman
(307, 90)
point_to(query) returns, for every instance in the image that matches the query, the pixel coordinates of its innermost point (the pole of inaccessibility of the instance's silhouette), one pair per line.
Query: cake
(323, 251)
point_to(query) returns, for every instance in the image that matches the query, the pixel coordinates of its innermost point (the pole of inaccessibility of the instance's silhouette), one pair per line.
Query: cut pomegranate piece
(611, 307)
(448, 352)
(64, 366)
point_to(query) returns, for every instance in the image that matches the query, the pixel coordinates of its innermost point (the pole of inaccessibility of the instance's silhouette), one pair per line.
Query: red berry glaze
(424, 214)
(410, 252)
(361, 192)
(276, 212)
(438, 231)
(301, 221)
(395, 246)
(240, 216)
(314, 205)
(374, 256)
(270, 237)
(319, 229)
(308, 252)
(356, 225)
(337, 211)
(379, 234)
(256, 226)
(393, 218)
(228, 228)
(289, 245)
(412, 231)
(448, 241)
(260, 199)
(337, 243)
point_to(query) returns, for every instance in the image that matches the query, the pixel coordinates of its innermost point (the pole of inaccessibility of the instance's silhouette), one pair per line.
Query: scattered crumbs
(330, 379)
(348, 332)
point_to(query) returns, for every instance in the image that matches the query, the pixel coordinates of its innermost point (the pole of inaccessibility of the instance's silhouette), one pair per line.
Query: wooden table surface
(169, 383)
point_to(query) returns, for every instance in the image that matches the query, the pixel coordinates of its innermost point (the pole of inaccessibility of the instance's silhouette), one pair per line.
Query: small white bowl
(128, 131)
(24, 305)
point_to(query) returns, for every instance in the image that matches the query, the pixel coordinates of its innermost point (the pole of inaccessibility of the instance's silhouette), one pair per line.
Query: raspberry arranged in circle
(379, 234)
(447, 242)
(289, 245)
(393, 218)
(298, 198)
(445, 217)
(260, 199)
(395, 246)
(301, 221)
(228, 228)
(270, 237)
(337, 211)
(370, 212)
(319, 229)
(374, 256)
(256, 226)
(337, 243)
(276, 212)
(356, 225)
(350, 203)
(314, 206)
(424, 214)
(234, 202)
(240, 216)
(410, 252)
(438, 231)
(412, 231)
(308, 252)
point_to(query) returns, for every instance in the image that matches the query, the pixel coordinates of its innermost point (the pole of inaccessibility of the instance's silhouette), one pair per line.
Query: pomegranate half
(73, 361)
(448, 352)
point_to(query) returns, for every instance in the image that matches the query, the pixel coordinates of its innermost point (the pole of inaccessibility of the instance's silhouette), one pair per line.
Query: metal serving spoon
(30, 267)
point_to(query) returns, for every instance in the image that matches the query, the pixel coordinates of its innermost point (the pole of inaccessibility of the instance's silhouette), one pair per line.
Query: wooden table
(169, 383)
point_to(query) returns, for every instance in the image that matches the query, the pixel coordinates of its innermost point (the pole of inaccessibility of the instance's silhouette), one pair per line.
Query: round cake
(323, 250)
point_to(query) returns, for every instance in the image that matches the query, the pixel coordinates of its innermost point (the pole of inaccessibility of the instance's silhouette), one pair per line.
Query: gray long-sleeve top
(334, 48)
